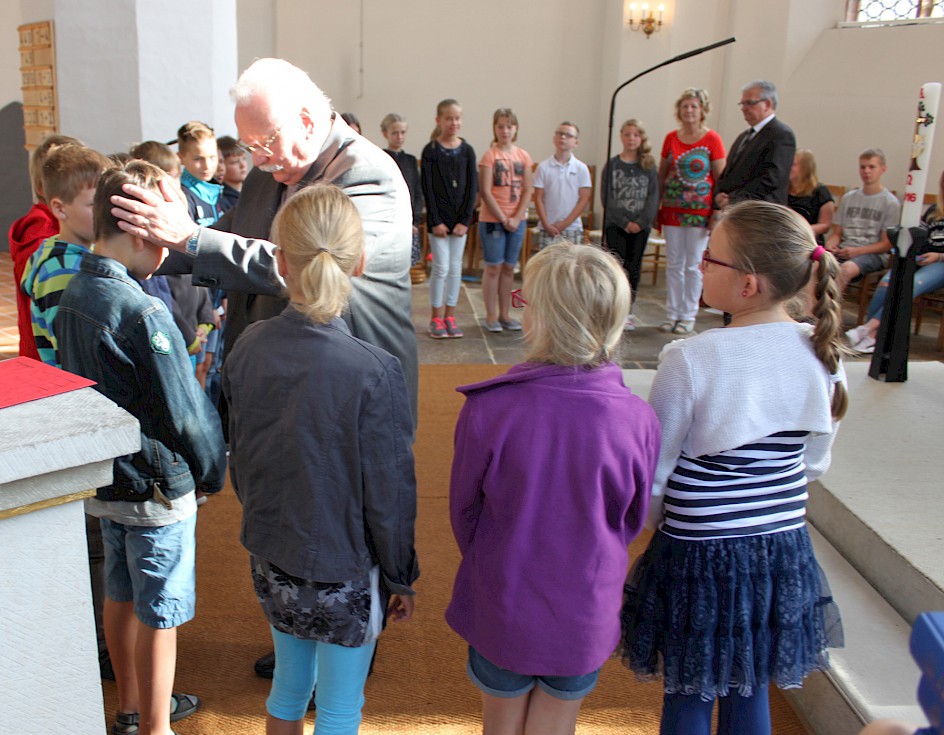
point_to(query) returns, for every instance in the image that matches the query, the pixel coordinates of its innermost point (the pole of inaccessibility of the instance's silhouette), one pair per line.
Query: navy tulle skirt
(728, 614)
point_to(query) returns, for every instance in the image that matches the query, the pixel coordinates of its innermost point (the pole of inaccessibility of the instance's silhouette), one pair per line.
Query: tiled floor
(640, 348)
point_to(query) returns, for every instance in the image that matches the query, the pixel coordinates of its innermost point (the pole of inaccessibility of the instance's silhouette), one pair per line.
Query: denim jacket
(111, 332)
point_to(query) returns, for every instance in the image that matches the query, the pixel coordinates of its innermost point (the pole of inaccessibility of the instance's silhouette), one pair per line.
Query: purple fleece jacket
(550, 482)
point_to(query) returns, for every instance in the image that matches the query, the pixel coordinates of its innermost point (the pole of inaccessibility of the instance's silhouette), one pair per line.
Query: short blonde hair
(160, 154)
(38, 157)
(389, 119)
(320, 235)
(71, 168)
(693, 93)
(193, 132)
(578, 299)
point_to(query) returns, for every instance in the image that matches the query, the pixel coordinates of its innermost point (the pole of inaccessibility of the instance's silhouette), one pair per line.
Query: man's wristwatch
(191, 247)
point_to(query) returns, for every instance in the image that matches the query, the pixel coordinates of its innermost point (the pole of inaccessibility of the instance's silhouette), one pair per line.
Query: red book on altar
(24, 379)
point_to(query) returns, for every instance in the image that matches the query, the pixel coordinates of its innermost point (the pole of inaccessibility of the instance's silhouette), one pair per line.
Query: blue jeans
(447, 269)
(500, 246)
(928, 278)
(340, 673)
(737, 715)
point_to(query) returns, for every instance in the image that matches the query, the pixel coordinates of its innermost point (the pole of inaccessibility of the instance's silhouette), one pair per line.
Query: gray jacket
(380, 302)
(321, 458)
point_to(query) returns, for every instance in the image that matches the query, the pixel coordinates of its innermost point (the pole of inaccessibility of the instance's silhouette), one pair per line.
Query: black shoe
(265, 665)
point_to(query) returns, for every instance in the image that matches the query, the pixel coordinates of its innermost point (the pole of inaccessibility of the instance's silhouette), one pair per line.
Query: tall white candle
(925, 122)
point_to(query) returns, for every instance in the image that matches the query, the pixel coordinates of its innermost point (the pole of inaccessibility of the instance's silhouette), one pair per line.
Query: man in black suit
(758, 165)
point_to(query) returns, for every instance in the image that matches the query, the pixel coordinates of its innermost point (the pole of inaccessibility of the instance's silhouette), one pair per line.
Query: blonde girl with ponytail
(321, 459)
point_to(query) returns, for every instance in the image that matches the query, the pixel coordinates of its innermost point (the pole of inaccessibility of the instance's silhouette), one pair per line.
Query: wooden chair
(654, 257)
(420, 272)
(861, 290)
(588, 213)
(934, 301)
(837, 191)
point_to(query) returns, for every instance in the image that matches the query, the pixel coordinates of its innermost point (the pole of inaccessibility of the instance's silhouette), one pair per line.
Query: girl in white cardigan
(728, 597)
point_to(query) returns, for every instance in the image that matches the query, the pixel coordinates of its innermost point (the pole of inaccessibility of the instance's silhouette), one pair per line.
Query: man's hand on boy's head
(162, 220)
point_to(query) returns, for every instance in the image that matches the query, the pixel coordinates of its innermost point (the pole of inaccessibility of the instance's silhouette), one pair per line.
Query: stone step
(873, 676)
(880, 504)
(878, 523)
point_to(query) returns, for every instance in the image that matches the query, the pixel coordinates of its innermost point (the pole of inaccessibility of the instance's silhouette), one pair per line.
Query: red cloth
(26, 235)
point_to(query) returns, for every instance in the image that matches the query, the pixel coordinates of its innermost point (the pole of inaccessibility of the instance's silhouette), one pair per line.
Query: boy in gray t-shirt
(858, 239)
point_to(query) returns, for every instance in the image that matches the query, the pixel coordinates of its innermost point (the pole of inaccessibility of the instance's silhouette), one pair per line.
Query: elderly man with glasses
(758, 165)
(296, 140)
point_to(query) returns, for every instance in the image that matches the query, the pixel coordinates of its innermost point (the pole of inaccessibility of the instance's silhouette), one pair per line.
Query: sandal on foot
(126, 723)
(183, 705)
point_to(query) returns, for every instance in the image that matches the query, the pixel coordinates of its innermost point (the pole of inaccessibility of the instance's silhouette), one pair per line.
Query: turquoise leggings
(339, 672)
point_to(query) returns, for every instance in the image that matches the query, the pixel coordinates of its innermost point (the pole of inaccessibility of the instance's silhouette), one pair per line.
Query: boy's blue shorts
(500, 682)
(213, 340)
(153, 566)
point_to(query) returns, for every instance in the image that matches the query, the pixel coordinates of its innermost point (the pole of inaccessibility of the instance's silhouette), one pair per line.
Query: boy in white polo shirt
(562, 189)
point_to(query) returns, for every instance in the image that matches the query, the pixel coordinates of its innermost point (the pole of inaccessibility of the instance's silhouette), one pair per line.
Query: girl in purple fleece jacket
(553, 467)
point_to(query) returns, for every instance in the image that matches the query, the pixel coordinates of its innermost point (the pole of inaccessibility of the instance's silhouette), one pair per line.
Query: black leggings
(629, 248)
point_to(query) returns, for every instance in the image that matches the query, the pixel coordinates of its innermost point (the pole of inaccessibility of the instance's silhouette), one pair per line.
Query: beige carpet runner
(419, 683)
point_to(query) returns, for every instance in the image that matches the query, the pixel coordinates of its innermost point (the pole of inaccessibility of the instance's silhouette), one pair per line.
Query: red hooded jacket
(26, 235)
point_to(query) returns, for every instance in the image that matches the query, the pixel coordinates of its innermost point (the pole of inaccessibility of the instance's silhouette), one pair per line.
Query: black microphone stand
(609, 138)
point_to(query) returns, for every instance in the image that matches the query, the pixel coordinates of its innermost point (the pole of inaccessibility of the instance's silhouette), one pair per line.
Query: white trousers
(683, 250)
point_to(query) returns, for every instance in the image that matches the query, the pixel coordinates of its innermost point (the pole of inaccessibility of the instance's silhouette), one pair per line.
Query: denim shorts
(500, 682)
(500, 246)
(152, 566)
(870, 262)
(213, 341)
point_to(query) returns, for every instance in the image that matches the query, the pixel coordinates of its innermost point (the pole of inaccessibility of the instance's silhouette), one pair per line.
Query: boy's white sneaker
(866, 345)
(856, 334)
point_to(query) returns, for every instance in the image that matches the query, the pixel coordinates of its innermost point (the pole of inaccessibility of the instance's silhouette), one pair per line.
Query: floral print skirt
(343, 613)
(736, 613)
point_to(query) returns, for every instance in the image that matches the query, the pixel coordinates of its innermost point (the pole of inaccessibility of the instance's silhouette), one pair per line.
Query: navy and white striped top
(754, 489)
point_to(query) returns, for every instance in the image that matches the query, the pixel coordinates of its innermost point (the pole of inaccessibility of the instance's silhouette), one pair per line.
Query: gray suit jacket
(243, 263)
(759, 168)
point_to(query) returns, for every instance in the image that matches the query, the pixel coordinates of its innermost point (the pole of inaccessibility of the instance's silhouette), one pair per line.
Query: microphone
(689, 54)
(609, 140)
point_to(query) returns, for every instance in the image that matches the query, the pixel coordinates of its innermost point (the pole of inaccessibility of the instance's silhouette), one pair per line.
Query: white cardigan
(726, 387)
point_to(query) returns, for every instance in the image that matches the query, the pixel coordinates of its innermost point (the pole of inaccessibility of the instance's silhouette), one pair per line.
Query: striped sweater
(46, 276)
(735, 402)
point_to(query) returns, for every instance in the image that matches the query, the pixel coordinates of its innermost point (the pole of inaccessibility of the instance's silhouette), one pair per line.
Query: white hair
(287, 88)
(768, 90)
